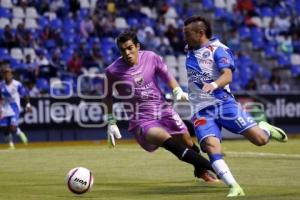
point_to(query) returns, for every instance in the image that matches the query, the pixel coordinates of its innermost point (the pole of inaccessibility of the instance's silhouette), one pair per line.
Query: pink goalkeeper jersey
(137, 86)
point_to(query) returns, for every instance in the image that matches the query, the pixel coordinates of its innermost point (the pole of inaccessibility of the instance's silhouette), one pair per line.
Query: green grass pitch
(38, 172)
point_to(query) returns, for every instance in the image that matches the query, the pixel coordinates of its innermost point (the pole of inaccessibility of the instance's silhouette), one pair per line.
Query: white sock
(223, 172)
(19, 132)
(266, 131)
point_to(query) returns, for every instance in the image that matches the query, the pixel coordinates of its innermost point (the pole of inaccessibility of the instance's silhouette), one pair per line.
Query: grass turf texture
(38, 172)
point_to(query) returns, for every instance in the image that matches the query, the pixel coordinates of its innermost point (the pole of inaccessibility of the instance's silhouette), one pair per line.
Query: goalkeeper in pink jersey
(153, 122)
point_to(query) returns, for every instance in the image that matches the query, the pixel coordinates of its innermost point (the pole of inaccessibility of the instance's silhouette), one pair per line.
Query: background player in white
(11, 92)
(210, 66)
(153, 121)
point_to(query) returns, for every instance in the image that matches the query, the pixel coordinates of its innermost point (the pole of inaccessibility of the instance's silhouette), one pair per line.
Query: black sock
(187, 155)
(195, 148)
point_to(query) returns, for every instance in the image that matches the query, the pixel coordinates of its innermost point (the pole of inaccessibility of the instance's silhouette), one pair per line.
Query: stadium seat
(84, 4)
(171, 13)
(18, 12)
(16, 22)
(29, 51)
(147, 11)
(120, 23)
(171, 21)
(50, 15)
(257, 42)
(16, 53)
(220, 13)
(6, 3)
(207, 5)
(244, 33)
(30, 12)
(93, 70)
(30, 23)
(295, 59)
(4, 22)
(266, 12)
(4, 54)
(171, 61)
(5, 13)
(43, 85)
(56, 24)
(69, 23)
(283, 60)
(93, 4)
(43, 22)
(133, 22)
(270, 52)
(220, 4)
(295, 70)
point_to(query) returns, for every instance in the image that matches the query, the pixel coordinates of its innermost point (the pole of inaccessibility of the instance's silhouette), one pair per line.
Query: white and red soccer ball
(80, 180)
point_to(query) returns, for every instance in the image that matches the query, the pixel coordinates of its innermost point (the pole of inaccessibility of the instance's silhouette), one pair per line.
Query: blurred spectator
(74, 7)
(57, 6)
(20, 35)
(245, 6)
(87, 28)
(264, 85)
(33, 91)
(271, 31)
(49, 34)
(164, 47)
(233, 41)
(295, 24)
(75, 64)
(252, 86)
(45, 69)
(42, 6)
(96, 56)
(276, 83)
(31, 68)
(286, 45)
(282, 23)
(56, 61)
(9, 38)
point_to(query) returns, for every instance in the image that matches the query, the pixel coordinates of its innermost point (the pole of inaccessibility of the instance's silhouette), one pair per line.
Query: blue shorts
(230, 115)
(9, 121)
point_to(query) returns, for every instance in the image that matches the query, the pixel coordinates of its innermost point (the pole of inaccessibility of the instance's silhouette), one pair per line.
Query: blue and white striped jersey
(10, 96)
(205, 65)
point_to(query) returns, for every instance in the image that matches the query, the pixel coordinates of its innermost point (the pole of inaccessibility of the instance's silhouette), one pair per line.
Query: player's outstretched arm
(224, 79)
(113, 131)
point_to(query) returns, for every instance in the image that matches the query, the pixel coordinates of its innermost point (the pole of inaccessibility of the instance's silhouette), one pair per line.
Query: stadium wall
(59, 119)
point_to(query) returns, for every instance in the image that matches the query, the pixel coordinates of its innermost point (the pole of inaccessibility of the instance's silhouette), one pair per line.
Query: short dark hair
(205, 24)
(125, 36)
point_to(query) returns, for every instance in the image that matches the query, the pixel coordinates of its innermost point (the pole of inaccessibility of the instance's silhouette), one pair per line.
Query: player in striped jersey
(11, 92)
(210, 65)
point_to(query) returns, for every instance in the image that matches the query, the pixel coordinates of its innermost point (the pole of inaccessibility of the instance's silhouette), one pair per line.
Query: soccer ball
(79, 180)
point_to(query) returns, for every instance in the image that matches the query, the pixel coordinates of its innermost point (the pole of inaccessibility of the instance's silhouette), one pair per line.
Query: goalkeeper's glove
(180, 95)
(112, 131)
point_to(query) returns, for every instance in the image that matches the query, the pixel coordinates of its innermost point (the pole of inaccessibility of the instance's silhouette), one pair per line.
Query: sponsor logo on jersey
(225, 61)
(200, 122)
(139, 80)
(206, 54)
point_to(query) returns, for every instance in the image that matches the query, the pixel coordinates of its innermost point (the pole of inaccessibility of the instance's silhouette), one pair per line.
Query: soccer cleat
(276, 133)
(206, 176)
(23, 138)
(235, 191)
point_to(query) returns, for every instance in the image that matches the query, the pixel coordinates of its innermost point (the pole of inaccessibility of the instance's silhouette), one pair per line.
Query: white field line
(257, 154)
(229, 153)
